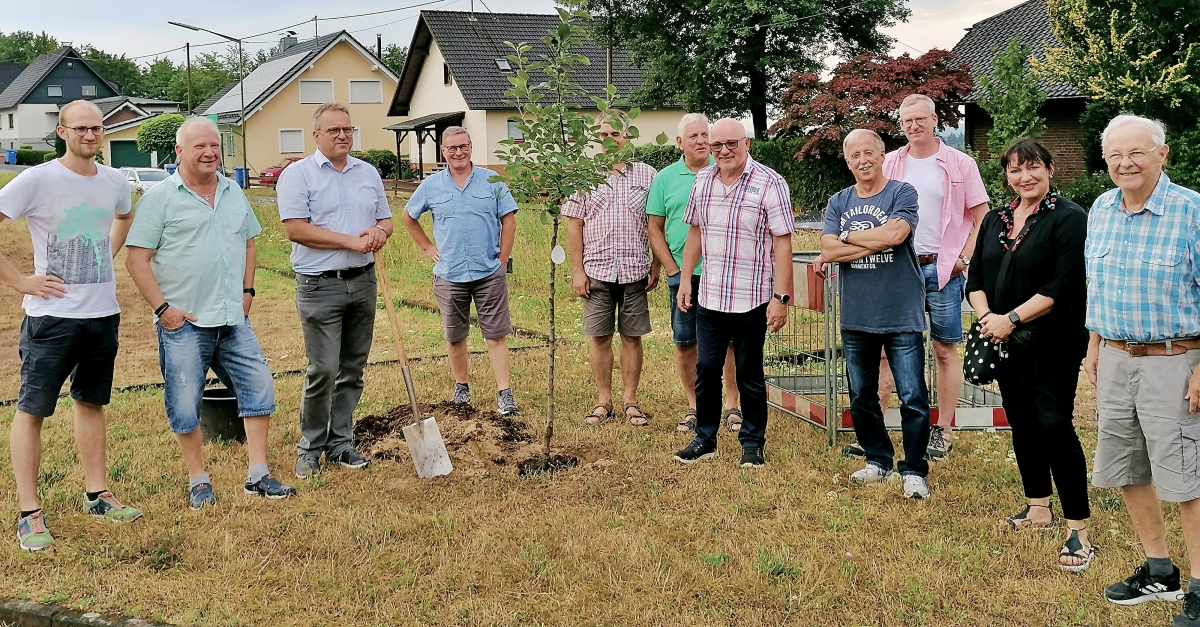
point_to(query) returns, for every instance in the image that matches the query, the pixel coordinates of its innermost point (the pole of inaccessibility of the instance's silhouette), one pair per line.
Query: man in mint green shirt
(192, 257)
(665, 204)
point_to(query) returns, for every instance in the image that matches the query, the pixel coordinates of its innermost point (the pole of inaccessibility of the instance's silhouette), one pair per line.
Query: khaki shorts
(1146, 435)
(626, 302)
(491, 303)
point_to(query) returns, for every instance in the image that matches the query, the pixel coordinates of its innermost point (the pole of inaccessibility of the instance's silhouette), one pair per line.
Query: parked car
(142, 179)
(270, 175)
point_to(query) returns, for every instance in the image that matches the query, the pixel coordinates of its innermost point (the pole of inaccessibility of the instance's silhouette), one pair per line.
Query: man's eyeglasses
(459, 148)
(731, 145)
(1137, 156)
(83, 130)
(348, 131)
(911, 122)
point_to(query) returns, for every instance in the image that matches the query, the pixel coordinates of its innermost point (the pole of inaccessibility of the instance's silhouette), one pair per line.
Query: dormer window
(504, 65)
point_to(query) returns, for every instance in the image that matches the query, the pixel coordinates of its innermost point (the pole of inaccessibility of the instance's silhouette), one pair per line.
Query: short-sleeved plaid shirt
(1143, 269)
(616, 247)
(736, 227)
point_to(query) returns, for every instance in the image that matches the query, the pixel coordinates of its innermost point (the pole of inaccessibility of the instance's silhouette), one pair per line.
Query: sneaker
(32, 532)
(1142, 586)
(854, 450)
(350, 459)
(938, 447)
(508, 407)
(695, 452)
(462, 394)
(752, 457)
(107, 506)
(270, 487)
(872, 473)
(915, 488)
(1190, 616)
(308, 466)
(202, 495)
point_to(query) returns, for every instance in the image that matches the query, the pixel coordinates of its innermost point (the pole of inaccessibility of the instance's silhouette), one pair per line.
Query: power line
(443, 3)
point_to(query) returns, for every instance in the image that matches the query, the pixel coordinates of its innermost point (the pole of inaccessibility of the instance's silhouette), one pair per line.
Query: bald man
(77, 212)
(740, 213)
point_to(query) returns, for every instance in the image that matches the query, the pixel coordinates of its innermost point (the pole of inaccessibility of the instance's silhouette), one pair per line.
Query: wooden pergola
(429, 127)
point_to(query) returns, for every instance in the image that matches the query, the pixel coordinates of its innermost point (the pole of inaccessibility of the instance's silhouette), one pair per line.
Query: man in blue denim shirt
(192, 257)
(474, 223)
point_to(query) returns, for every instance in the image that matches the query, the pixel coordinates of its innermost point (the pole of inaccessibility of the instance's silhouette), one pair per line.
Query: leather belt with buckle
(346, 273)
(1155, 349)
(926, 259)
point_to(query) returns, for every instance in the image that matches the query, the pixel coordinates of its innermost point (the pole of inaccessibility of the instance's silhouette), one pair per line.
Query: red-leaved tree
(864, 92)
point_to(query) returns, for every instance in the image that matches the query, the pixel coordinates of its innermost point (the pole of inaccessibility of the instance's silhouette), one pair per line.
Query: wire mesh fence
(806, 369)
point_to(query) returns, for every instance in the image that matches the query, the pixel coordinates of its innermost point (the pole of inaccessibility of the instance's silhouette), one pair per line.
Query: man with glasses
(953, 202)
(610, 259)
(336, 214)
(1143, 311)
(474, 224)
(740, 213)
(77, 213)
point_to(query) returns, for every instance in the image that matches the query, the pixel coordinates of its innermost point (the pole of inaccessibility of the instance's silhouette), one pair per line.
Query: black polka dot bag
(981, 357)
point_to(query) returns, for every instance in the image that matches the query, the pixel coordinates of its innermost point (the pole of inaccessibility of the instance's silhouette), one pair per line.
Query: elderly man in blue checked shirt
(192, 257)
(336, 213)
(474, 223)
(1143, 311)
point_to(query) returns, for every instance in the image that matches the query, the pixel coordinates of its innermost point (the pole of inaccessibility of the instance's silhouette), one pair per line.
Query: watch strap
(1014, 317)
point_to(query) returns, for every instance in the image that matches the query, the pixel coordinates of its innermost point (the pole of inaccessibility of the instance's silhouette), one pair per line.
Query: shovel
(424, 440)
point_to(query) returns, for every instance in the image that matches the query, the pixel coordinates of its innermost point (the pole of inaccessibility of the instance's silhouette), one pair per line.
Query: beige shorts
(491, 303)
(626, 302)
(1146, 434)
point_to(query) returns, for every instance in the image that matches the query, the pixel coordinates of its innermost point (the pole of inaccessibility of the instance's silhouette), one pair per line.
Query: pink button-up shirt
(616, 245)
(962, 188)
(736, 230)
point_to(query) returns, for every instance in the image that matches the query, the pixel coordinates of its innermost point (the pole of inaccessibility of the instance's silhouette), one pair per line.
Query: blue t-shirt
(883, 292)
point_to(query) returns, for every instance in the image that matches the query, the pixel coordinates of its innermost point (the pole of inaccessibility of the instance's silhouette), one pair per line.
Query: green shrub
(24, 147)
(1085, 188)
(32, 157)
(383, 160)
(1184, 158)
(657, 157)
(811, 181)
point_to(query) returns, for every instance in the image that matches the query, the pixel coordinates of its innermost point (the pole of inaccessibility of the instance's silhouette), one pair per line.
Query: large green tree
(733, 57)
(119, 70)
(24, 46)
(155, 81)
(1011, 97)
(394, 56)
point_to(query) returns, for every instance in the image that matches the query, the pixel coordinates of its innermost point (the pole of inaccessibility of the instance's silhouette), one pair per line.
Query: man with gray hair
(1143, 311)
(337, 216)
(474, 225)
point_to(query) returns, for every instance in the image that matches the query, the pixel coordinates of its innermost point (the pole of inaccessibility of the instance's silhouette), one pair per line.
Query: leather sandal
(733, 420)
(1074, 547)
(592, 418)
(688, 424)
(1021, 522)
(639, 419)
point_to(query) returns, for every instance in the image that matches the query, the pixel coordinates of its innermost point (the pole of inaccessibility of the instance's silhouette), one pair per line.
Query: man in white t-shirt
(78, 213)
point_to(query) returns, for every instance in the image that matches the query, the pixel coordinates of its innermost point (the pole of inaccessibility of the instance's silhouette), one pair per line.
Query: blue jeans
(906, 354)
(944, 305)
(185, 355)
(683, 323)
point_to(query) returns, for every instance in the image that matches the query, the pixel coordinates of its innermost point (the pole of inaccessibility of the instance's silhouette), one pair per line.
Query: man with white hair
(740, 213)
(474, 224)
(192, 257)
(336, 213)
(669, 195)
(869, 229)
(1143, 311)
(77, 213)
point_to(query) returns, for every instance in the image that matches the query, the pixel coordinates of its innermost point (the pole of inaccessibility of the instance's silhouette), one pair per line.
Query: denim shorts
(52, 349)
(185, 355)
(683, 323)
(944, 306)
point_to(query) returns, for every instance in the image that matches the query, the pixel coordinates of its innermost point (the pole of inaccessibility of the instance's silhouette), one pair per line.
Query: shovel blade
(427, 448)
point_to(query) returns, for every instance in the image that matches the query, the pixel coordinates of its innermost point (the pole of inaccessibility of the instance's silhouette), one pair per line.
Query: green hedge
(655, 156)
(384, 160)
(34, 157)
(1084, 189)
(811, 181)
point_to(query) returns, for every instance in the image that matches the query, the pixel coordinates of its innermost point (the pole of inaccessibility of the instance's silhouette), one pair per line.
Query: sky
(140, 30)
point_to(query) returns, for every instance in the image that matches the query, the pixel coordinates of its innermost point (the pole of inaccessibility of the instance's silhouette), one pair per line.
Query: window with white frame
(316, 91)
(54, 91)
(366, 91)
(227, 144)
(357, 143)
(89, 90)
(291, 140)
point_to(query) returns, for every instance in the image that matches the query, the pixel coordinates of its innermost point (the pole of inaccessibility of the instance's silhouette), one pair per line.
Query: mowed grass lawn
(638, 541)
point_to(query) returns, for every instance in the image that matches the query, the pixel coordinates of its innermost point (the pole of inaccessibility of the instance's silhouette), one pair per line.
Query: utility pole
(188, 47)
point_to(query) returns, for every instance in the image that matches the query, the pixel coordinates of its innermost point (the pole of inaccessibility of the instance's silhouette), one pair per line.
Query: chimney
(379, 45)
(287, 42)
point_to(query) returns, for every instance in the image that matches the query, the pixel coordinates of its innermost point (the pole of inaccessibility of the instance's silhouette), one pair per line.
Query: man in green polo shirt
(668, 198)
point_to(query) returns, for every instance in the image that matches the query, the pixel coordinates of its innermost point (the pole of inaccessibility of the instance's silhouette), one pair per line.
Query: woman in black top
(1027, 284)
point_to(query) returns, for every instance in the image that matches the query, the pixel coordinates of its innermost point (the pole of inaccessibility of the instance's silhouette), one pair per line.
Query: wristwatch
(248, 290)
(966, 261)
(1014, 318)
(844, 236)
(783, 298)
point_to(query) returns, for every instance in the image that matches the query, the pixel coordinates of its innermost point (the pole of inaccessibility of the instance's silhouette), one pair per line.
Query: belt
(1155, 349)
(926, 259)
(345, 273)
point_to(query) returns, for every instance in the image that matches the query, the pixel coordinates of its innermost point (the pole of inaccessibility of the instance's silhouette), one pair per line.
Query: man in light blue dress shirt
(336, 214)
(474, 223)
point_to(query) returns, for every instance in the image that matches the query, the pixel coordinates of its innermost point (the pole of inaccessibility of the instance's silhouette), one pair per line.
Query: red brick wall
(120, 116)
(1062, 135)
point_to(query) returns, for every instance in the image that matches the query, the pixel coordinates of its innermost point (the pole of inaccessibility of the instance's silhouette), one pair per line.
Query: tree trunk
(757, 46)
(553, 346)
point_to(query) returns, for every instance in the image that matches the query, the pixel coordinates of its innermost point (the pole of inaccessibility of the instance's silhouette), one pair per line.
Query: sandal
(640, 419)
(1015, 521)
(592, 418)
(733, 420)
(1073, 547)
(688, 424)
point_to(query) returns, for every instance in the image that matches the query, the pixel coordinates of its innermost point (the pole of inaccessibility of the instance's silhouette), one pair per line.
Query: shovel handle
(382, 274)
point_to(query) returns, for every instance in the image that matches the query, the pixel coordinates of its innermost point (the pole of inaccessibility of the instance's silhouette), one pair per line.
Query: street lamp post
(241, 94)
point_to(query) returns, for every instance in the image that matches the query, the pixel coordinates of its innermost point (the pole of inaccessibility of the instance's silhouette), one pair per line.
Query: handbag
(981, 357)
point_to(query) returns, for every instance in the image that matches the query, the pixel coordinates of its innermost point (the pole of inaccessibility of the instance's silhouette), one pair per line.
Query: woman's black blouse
(1048, 261)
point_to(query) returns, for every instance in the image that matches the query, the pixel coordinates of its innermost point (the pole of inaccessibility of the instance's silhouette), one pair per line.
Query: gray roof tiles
(17, 90)
(9, 72)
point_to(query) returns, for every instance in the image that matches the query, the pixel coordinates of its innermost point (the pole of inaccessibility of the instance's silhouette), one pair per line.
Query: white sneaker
(872, 473)
(915, 488)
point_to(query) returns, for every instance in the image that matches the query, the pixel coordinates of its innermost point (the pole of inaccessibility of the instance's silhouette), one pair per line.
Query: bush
(811, 181)
(33, 157)
(1184, 159)
(1085, 188)
(24, 147)
(655, 156)
(158, 134)
(383, 160)
(406, 169)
